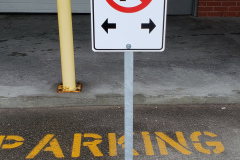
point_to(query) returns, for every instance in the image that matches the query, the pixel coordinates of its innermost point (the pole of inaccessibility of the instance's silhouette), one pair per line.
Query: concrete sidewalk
(201, 64)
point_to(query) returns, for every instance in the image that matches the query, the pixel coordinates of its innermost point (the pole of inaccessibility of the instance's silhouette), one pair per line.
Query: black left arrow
(149, 26)
(107, 25)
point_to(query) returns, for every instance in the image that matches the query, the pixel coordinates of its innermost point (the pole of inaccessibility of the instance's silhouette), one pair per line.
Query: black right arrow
(107, 25)
(149, 26)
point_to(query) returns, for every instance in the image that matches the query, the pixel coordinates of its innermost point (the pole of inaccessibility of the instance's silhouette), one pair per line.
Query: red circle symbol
(137, 8)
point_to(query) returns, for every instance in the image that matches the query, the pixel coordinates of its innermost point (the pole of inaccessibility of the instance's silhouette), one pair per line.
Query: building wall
(219, 8)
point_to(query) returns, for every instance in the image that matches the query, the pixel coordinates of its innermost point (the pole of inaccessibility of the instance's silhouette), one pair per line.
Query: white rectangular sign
(128, 25)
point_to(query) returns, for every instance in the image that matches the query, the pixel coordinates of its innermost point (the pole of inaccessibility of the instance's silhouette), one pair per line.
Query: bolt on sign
(128, 25)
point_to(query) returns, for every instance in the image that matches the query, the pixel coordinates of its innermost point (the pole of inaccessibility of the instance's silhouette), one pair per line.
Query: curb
(116, 100)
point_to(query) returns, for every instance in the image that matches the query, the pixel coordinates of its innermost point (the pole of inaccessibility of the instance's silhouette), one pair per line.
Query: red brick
(234, 8)
(238, 14)
(202, 14)
(205, 8)
(214, 14)
(216, 8)
(229, 14)
(204, 0)
(220, 8)
(229, 3)
(202, 4)
(214, 3)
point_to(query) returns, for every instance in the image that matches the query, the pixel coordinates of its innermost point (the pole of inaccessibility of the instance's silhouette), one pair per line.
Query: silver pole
(128, 104)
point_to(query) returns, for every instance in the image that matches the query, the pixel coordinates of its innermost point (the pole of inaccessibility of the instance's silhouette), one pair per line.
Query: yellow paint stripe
(148, 144)
(40, 146)
(55, 148)
(121, 140)
(171, 142)
(194, 136)
(162, 146)
(1, 140)
(76, 145)
(181, 139)
(19, 141)
(112, 144)
(93, 145)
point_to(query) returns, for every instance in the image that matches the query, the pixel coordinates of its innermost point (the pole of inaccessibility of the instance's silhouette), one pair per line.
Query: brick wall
(219, 8)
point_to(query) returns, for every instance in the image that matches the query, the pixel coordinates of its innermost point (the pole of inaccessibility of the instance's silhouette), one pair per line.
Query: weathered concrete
(200, 64)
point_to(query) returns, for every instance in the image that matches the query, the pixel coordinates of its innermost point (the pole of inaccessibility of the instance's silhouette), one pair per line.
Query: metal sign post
(128, 26)
(128, 104)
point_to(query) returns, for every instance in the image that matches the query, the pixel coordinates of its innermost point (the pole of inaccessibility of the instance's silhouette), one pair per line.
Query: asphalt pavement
(160, 132)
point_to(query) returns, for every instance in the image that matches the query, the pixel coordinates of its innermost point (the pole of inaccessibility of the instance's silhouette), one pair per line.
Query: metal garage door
(175, 7)
(182, 7)
(41, 6)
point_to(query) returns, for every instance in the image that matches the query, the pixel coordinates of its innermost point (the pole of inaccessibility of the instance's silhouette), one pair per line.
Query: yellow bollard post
(66, 48)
